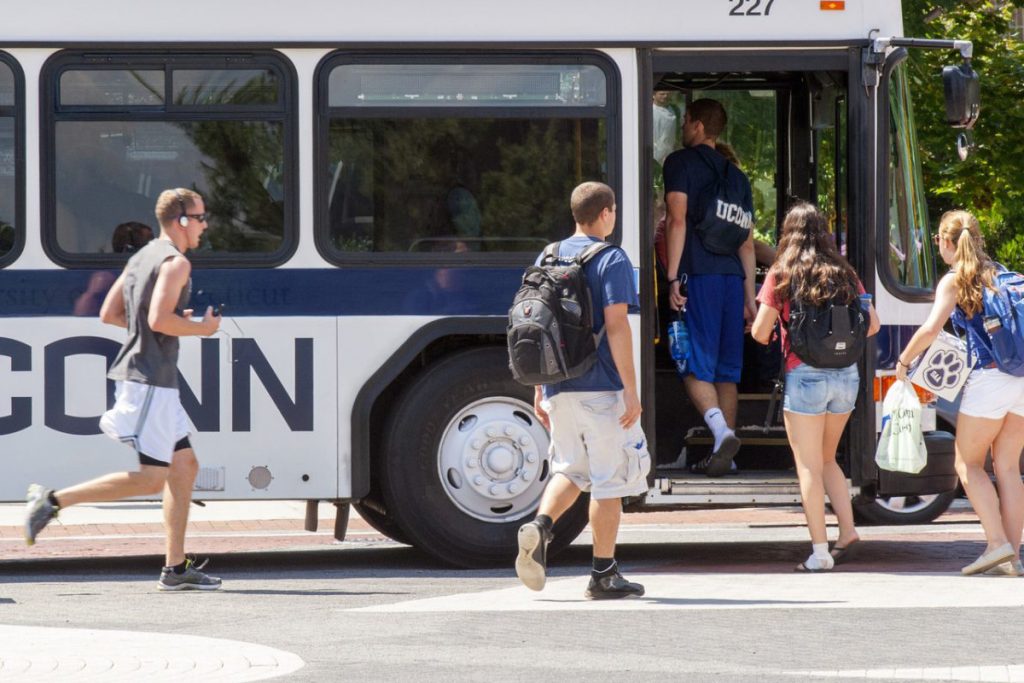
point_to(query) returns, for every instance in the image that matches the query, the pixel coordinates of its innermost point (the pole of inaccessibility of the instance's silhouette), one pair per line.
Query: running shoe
(532, 561)
(39, 511)
(611, 586)
(190, 579)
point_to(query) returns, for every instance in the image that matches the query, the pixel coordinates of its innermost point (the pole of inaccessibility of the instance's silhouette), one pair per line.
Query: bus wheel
(466, 461)
(902, 509)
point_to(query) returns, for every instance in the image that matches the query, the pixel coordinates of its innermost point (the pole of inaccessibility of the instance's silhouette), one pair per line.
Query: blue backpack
(1003, 318)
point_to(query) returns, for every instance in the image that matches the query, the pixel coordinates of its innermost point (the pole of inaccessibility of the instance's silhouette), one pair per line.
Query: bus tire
(381, 523)
(901, 509)
(465, 462)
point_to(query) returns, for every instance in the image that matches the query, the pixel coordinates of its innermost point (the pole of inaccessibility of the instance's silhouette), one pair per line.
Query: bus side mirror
(963, 95)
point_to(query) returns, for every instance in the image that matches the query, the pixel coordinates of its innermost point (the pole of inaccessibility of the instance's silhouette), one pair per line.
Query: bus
(376, 181)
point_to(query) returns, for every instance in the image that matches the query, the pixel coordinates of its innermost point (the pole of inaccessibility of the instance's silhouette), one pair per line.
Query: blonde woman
(818, 401)
(992, 405)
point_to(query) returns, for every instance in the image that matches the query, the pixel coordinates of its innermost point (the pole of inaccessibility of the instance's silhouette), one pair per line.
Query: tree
(990, 183)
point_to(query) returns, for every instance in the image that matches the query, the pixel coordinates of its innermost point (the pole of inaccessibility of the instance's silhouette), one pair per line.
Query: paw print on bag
(944, 370)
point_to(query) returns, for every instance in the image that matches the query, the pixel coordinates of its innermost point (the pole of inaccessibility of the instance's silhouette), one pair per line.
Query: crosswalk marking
(691, 591)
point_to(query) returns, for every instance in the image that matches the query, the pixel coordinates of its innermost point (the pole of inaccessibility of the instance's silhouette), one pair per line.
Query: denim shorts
(816, 391)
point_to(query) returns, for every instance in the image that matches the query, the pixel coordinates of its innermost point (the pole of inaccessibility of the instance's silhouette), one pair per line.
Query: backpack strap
(590, 252)
(550, 252)
(582, 259)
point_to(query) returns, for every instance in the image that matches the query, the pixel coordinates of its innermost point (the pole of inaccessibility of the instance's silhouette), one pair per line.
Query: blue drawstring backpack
(1006, 302)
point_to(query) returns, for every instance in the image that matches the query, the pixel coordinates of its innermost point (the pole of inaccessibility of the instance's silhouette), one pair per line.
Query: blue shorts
(714, 319)
(816, 391)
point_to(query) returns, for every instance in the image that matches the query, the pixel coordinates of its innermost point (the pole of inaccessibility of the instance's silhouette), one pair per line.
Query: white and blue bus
(377, 180)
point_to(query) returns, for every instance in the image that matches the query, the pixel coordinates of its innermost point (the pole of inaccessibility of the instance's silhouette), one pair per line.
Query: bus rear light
(833, 4)
(883, 383)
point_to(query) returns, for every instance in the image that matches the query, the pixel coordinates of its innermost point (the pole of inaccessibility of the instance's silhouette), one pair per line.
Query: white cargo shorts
(591, 448)
(150, 419)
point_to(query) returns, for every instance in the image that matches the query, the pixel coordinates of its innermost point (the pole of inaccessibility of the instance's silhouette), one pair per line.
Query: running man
(149, 299)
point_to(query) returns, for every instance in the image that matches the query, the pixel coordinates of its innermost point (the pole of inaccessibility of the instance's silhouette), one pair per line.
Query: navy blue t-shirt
(692, 171)
(610, 278)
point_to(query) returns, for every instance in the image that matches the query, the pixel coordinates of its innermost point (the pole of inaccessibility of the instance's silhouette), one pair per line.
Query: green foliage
(991, 182)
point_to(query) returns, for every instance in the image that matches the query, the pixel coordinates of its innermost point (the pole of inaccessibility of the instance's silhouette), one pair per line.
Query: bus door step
(742, 488)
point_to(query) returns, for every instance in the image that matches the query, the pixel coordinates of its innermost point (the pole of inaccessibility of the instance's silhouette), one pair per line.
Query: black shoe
(611, 586)
(719, 463)
(532, 561)
(701, 466)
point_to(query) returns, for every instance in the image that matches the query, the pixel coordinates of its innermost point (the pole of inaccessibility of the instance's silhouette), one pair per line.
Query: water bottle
(865, 302)
(679, 343)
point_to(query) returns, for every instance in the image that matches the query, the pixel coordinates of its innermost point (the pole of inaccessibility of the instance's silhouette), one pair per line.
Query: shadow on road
(397, 562)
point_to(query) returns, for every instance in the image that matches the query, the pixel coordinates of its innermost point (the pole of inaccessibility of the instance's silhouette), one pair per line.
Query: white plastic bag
(901, 446)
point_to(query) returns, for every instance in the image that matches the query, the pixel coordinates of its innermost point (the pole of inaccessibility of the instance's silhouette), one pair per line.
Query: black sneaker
(719, 463)
(39, 511)
(611, 586)
(532, 562)
(190, 579)
(701, 466)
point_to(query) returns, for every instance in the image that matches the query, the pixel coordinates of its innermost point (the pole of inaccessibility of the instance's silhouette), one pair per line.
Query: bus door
(788, 130)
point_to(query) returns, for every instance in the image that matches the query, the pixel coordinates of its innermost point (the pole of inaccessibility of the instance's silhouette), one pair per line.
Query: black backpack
(726, 224)
(831, 335)
(551, 323)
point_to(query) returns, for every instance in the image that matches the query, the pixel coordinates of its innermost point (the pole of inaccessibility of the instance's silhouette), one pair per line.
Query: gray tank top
(148, 357)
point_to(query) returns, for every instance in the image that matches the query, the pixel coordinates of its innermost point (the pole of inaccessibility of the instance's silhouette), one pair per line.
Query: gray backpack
(551, 323)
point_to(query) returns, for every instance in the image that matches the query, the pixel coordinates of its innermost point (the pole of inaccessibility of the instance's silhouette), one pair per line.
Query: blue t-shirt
(980, 356)
(692, 171)
(610, 278)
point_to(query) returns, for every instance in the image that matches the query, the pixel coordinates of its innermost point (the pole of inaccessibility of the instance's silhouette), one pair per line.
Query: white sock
(715, 421)
(820, 557)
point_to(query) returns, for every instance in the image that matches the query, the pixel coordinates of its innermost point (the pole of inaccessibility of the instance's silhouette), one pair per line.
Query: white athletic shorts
(590, 447)
(992, 393)
(149, 419)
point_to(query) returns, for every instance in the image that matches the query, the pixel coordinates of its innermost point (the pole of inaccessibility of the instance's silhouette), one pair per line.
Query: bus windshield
(911, 258)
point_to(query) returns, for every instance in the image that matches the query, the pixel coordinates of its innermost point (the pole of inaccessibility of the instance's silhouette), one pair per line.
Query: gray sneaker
(39, 511)
(190, 579)
(532, 561)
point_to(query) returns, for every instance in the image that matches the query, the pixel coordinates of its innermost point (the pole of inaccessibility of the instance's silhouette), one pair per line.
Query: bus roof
(597, 22)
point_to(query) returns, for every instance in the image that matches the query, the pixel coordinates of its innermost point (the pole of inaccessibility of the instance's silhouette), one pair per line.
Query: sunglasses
(201, 217)
(936, 238)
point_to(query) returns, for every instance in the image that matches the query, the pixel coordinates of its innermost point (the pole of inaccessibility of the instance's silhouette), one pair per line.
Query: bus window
(829, 155)
(910, 262)
(127, 127)
(458, 158)
(9, 200)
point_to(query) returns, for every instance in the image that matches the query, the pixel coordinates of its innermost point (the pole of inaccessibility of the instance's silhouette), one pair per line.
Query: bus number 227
(751, 8)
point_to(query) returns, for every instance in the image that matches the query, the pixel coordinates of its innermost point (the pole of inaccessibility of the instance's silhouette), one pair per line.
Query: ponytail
(974, 268)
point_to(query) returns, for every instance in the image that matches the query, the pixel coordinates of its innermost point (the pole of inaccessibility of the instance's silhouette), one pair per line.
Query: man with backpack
(593, 414)
(709, 233)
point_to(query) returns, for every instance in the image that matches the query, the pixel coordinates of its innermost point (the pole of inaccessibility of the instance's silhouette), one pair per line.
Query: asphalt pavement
(722, 603)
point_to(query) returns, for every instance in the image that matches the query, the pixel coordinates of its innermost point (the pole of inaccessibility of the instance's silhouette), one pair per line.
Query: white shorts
(150, 419)
(992, 393)
(590, 447)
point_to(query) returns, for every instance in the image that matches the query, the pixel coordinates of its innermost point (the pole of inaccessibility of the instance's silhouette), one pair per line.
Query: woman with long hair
(817, 401)
(992, 404)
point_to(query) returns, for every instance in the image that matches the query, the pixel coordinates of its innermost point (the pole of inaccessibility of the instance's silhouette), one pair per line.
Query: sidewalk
(136, 528)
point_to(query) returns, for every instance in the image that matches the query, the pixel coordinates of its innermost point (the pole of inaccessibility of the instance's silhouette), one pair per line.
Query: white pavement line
(27, 652)
(838, 590)
(1004, 673)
